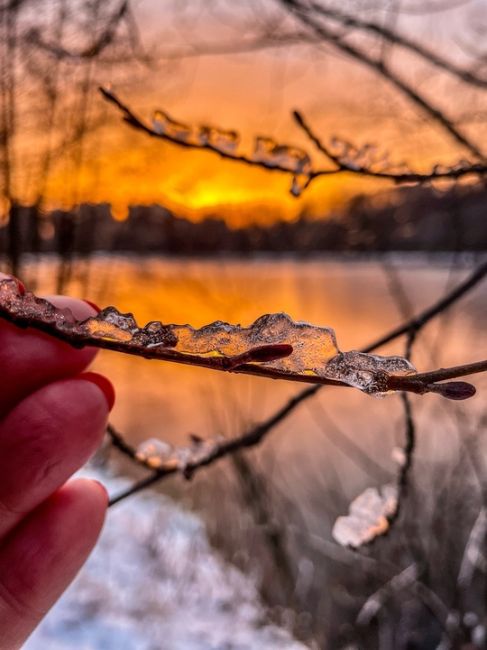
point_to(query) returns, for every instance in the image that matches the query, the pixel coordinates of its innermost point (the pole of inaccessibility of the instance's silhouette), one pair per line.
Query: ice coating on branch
(369, 516)
(154, 452)
(366, 371)
(273, 154)
(274, 344)
(164, 124)
(299, 184)
(158, 454)
(221, 139)
(110, 324)
(312, 346)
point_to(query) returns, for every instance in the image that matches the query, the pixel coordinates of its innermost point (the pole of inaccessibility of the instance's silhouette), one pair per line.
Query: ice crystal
(299, 184)
(365, 371)
(273, 154)
(155, 452)
(368, 517)
(160, 454)
(275, 342)
(225, 141)
(312, 346)
(164, 124)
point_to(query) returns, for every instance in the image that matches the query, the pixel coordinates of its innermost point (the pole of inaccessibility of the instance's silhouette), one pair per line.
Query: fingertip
(44, 554)
(104, 384)
(89, 490)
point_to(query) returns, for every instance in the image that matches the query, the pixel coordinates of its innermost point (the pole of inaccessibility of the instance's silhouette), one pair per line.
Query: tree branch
(395, 38)
(258, 433)
(342, 166)
(302, 13)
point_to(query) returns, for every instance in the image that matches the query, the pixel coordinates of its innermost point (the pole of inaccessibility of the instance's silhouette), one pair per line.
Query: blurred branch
(395, 38)
(350, 166)
(407, 461)
(474, 558)
(408, 579)
(306, 17)
(105, 39)
(307, 175)
(258, 433)
(265, 41)
(347, 445)
(379, 598)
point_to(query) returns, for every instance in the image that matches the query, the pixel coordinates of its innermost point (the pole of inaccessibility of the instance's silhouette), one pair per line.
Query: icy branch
(273, 346)
(274, 156)
(257, 433)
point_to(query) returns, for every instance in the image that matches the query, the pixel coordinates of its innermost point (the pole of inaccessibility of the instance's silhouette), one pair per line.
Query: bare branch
(474, 556)
(348, 20)
(94, 49)
(305, 16)
(378, 599)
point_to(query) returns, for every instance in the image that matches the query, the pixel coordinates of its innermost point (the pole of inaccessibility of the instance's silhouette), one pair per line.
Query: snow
(153, 582)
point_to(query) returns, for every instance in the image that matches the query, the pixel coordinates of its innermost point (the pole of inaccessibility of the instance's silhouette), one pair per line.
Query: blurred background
(243, 555)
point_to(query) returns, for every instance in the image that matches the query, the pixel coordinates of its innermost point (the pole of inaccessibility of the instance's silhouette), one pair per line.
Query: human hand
(52, 419)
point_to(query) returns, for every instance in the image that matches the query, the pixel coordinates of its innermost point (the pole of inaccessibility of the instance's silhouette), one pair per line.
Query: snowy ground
(155, 583)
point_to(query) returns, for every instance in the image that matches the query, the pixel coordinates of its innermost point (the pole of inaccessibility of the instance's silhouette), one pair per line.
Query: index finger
(29, 359)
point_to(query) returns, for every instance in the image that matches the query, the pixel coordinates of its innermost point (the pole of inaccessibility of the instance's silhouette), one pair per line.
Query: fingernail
(101, 487)
(103, 384)
(92, 304)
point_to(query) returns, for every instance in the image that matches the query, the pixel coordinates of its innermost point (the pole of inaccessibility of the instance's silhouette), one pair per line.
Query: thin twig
(403, 41)
(407, 461)
(343, 165)
(302, 13)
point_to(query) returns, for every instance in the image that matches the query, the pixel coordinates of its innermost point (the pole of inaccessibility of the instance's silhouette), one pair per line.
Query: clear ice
(315, 351)
(164, 124)
(369, 516)
(221, 139)
(157, 454)
(270, 153)
(299, 184)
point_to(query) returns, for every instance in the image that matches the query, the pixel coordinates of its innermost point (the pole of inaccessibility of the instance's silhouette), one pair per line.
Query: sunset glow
(252, 92)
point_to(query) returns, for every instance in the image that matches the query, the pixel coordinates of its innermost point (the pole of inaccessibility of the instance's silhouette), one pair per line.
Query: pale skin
(52, 419)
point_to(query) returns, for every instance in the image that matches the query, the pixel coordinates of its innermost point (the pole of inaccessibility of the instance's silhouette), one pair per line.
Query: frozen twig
(344, 165)
(284, 158)
(274, 346)
(258, 433)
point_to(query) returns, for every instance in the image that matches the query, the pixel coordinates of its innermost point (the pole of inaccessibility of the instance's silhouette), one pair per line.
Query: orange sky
(254, 93)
